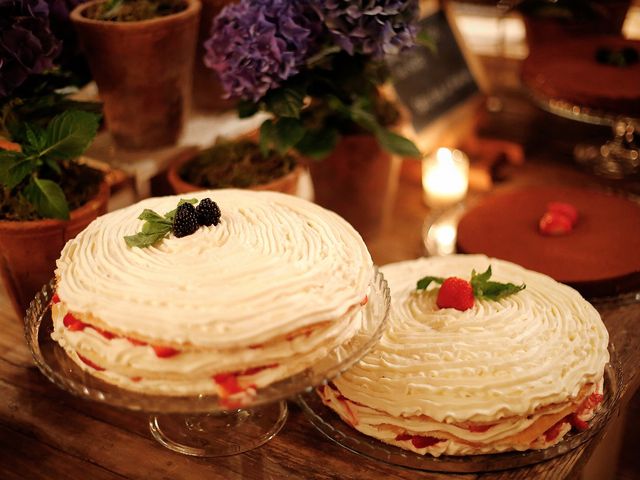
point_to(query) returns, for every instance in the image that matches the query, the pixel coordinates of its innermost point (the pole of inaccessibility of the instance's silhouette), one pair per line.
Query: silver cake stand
(618, 157)
(204, 425)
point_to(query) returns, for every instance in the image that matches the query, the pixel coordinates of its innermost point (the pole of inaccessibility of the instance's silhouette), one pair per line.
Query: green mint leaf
(154, 227)
(286, 102)
(424, 282)
(171, 215)
(484, 288)
(497, 290)
(150, 216)
(48, 198)
(478, 281)
(143, 240)
(317, 144)
(69, 134)
(394, 143)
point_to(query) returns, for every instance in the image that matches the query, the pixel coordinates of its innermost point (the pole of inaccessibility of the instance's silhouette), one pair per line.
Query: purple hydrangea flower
(370, 27)
(257, 44)
(27, 45)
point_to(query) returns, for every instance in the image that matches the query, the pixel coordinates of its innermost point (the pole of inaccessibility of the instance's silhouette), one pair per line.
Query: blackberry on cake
(208, 212)
(186, 220)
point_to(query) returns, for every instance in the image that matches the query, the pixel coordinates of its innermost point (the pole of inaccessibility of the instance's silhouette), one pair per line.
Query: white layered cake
(515, 372)
(273, 287)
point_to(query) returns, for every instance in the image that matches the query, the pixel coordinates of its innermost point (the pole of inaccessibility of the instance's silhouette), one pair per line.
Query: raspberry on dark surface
(208, 212)
(186, 220)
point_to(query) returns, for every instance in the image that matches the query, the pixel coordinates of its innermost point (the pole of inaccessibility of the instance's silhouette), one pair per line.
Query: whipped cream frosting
(274, 264)
(498, 359)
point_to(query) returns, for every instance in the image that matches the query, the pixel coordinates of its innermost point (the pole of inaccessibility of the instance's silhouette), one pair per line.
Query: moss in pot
(237, 164)
(134, 10)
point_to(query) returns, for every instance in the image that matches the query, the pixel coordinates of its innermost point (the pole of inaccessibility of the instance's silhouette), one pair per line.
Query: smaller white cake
(272, 288)
(510, 374)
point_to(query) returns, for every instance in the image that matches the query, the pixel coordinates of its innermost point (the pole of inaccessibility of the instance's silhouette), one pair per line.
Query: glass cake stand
(330, 424)
(204, 425)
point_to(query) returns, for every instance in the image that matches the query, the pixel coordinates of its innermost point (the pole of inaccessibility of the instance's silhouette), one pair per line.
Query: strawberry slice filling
(479, 428)
(55, 299)
(73, 324)
(418, 441)
(164, 352)
(573, 419)
(228, 381)
(93, 365)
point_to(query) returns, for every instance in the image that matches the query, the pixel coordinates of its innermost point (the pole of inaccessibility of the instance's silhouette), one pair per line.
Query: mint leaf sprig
(483, 288)
(155, 227)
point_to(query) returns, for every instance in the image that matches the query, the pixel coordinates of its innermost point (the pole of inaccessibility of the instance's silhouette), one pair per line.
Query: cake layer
(480, 377)
(600, 256)
(273, 265)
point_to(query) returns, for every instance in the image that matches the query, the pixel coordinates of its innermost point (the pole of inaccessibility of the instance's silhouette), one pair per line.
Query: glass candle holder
(445, 178)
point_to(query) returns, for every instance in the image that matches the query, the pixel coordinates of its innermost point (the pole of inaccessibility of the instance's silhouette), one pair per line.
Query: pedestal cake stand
(204, 425)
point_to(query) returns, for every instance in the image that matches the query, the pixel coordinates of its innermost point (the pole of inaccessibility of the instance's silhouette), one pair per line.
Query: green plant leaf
(19, 171)
(48, 198)
(53, 165)
(8, 159)
(247, 108)
(394, 143)
(267, 136)
(318, 144)
(286, 101)
(423, 38)
(424, 282)
(69, 134)
(288, 132)
(35, 139)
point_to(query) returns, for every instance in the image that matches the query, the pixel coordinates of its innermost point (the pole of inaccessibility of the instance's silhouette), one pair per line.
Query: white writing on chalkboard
(427, 101)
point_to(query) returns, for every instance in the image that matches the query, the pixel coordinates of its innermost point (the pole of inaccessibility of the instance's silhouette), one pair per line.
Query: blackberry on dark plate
(208, 212)
(185, 221)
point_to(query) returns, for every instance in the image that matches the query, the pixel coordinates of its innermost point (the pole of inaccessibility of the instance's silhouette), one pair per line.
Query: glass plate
(330, 424)
(61, 370)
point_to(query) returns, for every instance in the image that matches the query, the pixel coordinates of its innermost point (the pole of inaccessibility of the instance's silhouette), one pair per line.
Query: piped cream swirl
(274, 264)
(496, 360)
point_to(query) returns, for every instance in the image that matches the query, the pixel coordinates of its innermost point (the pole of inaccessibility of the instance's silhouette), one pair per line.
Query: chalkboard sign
(432, 82)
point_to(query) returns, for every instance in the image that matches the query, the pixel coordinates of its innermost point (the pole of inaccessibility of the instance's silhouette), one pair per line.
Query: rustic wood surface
(46, 433)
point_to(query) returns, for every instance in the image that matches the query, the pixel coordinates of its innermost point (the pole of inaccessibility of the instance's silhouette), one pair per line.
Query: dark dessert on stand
(600, 72)
(598, 252)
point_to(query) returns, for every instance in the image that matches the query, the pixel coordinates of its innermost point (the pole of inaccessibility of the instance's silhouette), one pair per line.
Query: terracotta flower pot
(143, 71)
(286, 184)
(29, 249)
(207, 89)
(358, 181)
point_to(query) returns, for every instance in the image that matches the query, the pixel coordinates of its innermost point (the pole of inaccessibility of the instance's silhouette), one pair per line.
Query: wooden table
(46, 433)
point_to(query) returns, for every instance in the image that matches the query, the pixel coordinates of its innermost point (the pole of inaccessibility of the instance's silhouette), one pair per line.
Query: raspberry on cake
(225, 297)
(515, 371)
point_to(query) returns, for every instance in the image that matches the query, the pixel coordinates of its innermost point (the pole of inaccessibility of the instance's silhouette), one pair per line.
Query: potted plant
(46, 198)
(141, 55)
(235, 164)
(317, 68)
